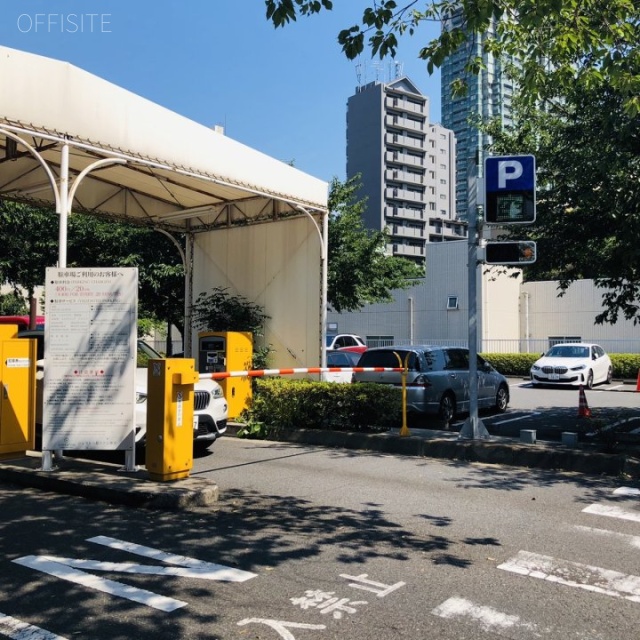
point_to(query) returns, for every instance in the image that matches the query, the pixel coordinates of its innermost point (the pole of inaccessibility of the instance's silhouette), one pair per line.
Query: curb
(107, 483)
(444, 445)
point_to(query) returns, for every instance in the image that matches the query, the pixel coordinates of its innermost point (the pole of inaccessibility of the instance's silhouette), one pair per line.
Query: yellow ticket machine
(220, 351)
(17, 393)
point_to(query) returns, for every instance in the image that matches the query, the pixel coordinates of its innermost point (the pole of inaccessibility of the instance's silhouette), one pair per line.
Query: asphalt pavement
(109, 482)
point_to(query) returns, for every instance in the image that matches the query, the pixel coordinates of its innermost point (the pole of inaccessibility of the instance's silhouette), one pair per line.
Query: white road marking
(574, 574)
(71, 569)
(145, 569)
(634, 541)
(53, 568)
(612, 511)
(626, 491)
(18, 630)
(528, 415)
(200, 569)
(491, 620)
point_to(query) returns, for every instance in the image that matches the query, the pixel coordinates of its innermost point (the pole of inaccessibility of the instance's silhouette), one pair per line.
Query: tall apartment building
(406, 166)
(489, 95)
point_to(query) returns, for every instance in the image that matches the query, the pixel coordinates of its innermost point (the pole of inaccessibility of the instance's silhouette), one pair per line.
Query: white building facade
(513, 317)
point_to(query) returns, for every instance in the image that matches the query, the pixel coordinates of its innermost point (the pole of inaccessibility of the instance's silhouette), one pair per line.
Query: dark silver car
(437, 379)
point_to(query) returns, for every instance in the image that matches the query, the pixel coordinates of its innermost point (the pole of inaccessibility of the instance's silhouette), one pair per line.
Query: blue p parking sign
(510, 189)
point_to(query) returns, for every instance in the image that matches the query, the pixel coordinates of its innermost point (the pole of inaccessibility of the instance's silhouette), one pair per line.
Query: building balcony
(393, 120)
(404, 176)
(407, 250)
(403, 213)
(401, 231)
(393, 102)
(393, 193)
(398, 140)
(403, 159)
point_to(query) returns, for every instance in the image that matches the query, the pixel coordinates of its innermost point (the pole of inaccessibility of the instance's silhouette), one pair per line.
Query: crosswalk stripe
(634, 541)
(574, 574)
(490, 619)
(611, 511)
(626, 491)
(18, 630)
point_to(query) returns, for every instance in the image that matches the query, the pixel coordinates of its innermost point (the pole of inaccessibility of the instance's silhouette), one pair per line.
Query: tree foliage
(360, 271)
(221, 310)
(559, 43)
(29, 239)
(587, 150)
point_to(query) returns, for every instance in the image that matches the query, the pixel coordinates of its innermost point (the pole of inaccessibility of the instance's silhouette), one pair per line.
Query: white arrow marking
(205, 570)
(59, 570)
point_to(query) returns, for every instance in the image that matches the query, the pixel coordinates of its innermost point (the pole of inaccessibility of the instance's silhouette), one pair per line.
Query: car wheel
(589, 382)
(447, 408)
(609, 379)
(502, 399)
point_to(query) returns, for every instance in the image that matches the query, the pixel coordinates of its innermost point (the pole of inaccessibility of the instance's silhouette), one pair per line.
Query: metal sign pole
(473, 427)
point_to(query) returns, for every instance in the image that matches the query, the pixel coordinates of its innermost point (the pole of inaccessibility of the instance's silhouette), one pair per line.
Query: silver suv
(437, 379)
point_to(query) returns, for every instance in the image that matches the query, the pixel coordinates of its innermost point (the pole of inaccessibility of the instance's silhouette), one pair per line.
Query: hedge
(625, 365)
(288, 404)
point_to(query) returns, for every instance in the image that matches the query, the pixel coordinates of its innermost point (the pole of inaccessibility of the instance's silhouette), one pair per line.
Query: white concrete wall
(544, 315)
(446, 275)
(276, 266)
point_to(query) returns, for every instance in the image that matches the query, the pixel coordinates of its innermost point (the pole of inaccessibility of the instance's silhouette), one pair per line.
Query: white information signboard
(90, 358)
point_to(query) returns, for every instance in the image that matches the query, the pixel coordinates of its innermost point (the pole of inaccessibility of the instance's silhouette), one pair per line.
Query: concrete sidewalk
(107, 482)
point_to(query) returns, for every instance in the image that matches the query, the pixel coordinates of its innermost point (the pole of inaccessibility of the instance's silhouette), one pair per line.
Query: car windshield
(568, 351)
(145, 353)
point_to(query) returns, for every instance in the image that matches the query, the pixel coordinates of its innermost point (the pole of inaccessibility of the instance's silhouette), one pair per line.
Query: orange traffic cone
(583, 407)
(638, 382)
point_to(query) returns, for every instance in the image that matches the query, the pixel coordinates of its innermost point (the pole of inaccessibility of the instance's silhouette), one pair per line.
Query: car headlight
(217, 393)
(580, 367)
(140, 397)
(535, 367)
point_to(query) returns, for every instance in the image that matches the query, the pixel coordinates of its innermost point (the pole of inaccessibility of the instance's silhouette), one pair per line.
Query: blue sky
(283, 92)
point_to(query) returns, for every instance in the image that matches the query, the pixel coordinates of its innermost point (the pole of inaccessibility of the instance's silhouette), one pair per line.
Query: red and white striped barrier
(260, 373)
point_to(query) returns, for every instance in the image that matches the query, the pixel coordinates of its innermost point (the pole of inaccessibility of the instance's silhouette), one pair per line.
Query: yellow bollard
(404, 431)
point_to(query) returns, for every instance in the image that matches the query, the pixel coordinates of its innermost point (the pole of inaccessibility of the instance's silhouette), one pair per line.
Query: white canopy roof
(178, 174)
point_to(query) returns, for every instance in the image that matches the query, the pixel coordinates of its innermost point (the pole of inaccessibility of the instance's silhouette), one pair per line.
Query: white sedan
(573, 363)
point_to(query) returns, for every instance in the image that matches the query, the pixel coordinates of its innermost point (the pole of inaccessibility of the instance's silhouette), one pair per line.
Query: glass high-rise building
(489, 95)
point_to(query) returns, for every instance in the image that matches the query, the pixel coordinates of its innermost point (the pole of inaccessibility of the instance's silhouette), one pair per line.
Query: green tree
(12, 304)
(360, 271)
(29, 240)
(224, 311)
(29, 237)
(587, 150)
(559, 43)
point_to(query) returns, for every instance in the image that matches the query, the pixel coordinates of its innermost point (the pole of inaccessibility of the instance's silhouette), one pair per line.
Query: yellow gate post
(17, 393)
(169, 445)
